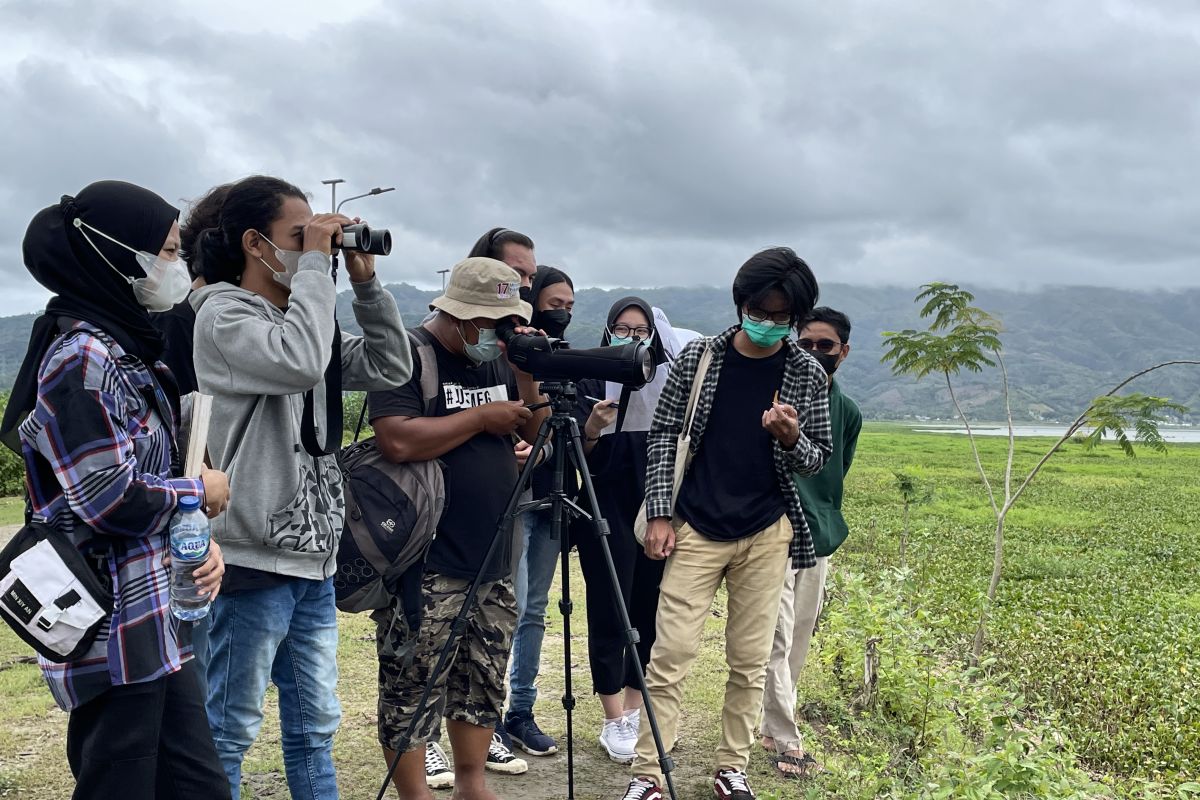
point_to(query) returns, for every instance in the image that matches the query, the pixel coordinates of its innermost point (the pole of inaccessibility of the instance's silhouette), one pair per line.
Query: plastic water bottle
(189, 549)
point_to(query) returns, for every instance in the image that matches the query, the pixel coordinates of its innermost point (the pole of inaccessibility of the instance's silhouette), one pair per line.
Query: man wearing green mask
(762, 415)
(826, 334)
(483, 400)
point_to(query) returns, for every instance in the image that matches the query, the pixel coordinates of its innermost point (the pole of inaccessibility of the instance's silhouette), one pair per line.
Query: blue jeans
(535, 573)
(286, 634)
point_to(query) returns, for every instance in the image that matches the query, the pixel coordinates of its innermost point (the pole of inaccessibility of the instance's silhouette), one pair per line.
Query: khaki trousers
(753, 570)
(799, 607)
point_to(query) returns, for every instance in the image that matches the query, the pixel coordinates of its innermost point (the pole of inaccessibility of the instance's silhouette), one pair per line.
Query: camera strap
(333, 405)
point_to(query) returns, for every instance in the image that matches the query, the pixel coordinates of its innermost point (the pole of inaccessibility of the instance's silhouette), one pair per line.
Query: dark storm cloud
(654, 143)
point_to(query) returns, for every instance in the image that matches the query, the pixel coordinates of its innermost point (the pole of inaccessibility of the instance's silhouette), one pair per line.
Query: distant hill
(1063, 345)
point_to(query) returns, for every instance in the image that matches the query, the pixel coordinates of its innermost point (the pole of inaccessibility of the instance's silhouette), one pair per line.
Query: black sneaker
(731, 784)
(501, 759)
(642, 789)
(528, 736)
(438, 774)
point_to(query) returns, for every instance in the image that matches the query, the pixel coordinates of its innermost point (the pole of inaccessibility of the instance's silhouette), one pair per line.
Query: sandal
(805, 766)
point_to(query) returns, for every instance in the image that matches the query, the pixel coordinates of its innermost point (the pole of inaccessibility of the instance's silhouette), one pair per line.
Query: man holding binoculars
(270, 352)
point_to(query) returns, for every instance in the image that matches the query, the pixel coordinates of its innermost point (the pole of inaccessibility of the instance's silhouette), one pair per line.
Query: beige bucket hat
(483, 287)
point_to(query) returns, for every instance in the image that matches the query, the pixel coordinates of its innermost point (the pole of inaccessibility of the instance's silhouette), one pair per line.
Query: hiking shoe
(501, 759)
(642, 789)
(528, 736)
(731, 784)
(619, 737)
(438, 774)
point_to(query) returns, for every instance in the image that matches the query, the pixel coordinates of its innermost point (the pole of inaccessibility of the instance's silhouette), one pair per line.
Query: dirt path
(39, 773)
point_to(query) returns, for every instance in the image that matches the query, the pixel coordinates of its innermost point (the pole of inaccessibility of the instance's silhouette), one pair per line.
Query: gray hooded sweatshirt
(256, 360)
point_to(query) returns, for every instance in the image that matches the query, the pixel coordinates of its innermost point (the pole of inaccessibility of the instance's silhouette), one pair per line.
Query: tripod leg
(666, 763)
(558, 532)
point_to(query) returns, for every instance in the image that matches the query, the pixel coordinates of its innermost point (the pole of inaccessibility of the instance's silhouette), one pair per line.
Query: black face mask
(828, 361)
(554, 321)
(527, 294)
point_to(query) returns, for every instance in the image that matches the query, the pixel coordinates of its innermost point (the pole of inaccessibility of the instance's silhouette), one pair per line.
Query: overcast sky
(643, 143)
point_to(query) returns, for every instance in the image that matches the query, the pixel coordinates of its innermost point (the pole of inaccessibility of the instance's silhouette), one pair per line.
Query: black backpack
(392, 510)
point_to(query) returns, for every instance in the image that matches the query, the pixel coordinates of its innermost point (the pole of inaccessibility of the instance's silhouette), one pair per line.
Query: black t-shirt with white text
(480, 473)
(731, 490)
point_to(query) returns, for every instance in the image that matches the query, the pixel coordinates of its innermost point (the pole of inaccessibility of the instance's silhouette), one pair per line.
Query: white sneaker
(634, 718)
(438, 774)
(501, 759)
(619, 738)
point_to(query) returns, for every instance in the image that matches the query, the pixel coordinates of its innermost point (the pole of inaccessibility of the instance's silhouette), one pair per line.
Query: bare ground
(32, 730)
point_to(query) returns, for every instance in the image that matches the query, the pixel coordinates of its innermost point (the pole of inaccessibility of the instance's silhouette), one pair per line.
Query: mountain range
(1063, 345)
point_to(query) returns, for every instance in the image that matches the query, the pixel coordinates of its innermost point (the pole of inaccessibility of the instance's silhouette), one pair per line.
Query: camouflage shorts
(471, 687)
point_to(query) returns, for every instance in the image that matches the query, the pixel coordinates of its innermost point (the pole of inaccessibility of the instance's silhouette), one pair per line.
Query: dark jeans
(146, 741)
(639, 578)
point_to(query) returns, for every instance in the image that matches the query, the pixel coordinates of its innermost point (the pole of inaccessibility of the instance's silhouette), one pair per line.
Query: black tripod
(561, 422)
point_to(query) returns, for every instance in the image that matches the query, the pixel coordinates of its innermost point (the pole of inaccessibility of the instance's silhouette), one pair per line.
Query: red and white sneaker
(731, 784)
(642, 789)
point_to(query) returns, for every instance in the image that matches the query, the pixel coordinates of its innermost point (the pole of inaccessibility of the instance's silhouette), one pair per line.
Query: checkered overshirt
(805, 387)
(98, 460)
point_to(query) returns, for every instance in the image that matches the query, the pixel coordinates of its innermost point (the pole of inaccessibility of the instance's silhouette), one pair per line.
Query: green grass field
(12, 510)
(1091, 688)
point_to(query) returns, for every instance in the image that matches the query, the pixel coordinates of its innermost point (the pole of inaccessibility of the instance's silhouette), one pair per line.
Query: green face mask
(765, 334)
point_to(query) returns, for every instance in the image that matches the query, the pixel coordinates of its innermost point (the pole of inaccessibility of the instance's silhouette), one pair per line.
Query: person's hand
(503, 417)
(603, 414)
(216, 491)
(521, 450)
(782, 422)
(660, 538)
(359, 266)
(323, 231)
(208, 575)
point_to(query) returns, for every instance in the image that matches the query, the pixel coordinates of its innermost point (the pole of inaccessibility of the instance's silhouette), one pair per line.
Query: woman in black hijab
(615, 432)
(95, 415)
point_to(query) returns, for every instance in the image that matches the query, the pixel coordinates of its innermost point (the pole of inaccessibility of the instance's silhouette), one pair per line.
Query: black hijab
(656, 346)
(85, 287)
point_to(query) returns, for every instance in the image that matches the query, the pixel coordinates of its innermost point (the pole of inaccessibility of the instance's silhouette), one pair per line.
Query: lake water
(1168, 433)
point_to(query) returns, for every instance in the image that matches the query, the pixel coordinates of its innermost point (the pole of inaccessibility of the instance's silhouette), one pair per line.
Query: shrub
(959, 732)
(12, 468)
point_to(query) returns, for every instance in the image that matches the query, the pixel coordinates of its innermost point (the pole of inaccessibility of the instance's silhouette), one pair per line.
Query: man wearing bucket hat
(483, 400)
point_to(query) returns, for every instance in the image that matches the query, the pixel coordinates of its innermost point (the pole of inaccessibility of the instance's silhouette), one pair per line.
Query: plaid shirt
(805, 387)
(97, 461)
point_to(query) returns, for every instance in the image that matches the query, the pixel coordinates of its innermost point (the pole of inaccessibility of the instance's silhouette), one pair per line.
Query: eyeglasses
(820, 345)
(622, 330)
(779, 317)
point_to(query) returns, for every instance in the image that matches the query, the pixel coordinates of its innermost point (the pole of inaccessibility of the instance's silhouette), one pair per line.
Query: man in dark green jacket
(826, 335)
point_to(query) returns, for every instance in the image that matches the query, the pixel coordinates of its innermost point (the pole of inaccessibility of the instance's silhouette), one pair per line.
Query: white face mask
(166, 284)
(290, 260)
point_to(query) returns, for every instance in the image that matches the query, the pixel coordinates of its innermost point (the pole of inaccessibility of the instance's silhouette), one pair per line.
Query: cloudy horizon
(643, 143)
